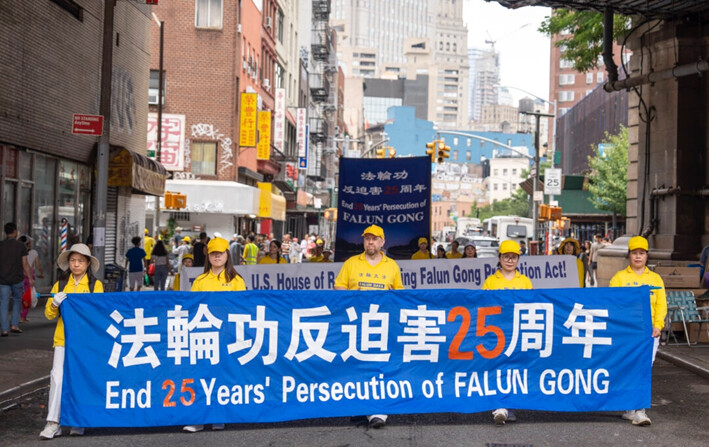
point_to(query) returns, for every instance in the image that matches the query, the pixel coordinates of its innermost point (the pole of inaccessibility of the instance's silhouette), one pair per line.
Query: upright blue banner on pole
(263, 356)
(394, 193)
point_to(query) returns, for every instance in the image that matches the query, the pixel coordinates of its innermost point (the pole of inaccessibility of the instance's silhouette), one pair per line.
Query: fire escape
(319, 82)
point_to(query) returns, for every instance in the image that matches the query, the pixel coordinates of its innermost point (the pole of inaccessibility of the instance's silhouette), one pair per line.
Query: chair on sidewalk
(676, 314)
(692, 313)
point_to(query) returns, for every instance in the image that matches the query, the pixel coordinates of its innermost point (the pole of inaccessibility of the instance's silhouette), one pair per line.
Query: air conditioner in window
(152, 99)
(269, 22)
(267, 83)
(238, 28)
(244, 65)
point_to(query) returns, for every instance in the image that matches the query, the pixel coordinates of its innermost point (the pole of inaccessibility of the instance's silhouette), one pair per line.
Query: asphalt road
(680, 407)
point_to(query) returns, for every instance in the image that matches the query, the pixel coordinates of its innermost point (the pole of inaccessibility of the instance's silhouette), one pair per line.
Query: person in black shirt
(199, 250)
(13, 268)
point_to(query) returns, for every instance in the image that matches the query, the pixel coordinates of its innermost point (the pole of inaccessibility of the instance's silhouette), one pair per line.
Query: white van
(509, 227)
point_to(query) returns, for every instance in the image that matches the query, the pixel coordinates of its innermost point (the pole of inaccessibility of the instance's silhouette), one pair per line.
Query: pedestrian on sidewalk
(162, 265)
(76, 277)
(637, 274)
(35, 266)
(13, 269)
(136, 264)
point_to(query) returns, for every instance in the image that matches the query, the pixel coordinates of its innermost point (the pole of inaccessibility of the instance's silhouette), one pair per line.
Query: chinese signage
(264, 206)
(172, 149)
(279, 123)
(247, 124)
(266, 356)
(301, 135)
(393, 193)
(263, 149)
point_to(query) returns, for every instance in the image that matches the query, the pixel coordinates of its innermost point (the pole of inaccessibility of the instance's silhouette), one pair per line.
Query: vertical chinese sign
(247, 124)
(279, 123)
(263, 149)
(172, 149)
(302, 137)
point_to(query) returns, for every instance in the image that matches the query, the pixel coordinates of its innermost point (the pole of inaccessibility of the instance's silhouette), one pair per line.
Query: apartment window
(565, 63)
(600, 76)
(208, 13)
(566, 96)
(455, 139)
(504, 186)
(468, 155)
(204, 158)
(495, 172)
(279, 76)
(514, 171)
(566, 79)
(589, 78)
(504, 172)
(470, 142)
(154, 89)
(279, 25)
(455, 154)
(494, 186)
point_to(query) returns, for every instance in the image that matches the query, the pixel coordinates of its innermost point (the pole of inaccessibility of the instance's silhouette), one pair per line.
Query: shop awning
(217, 197)
(271, 204)
(142, 174)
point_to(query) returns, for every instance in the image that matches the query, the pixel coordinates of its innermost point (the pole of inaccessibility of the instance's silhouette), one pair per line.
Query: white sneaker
(51, 430)
(629, 415)
(500, 416)
(193, 428)
(217, 426)
(76, 431)
(641, 418)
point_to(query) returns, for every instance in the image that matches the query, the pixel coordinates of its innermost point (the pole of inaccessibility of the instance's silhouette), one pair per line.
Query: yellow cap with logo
(423, 240)
(217, 244)
(510, 246)
(374, 230)
(637, 242)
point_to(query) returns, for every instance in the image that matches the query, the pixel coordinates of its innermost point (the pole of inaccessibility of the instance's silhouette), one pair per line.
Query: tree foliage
(517, 205)
(582, 35)
(608, 181)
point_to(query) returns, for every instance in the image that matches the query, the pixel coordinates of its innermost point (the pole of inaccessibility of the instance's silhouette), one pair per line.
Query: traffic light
(380, 153)
(330, 214)
(554, 212)
(392, 152)
(544, 212)
(442, 151)
(431, 151)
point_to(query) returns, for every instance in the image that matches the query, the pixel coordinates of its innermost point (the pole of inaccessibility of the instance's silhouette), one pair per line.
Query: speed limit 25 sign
(552, 181)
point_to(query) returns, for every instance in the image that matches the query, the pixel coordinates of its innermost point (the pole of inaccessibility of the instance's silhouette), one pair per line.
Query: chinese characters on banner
(172, 150)
(265, 356)
(392, 193)
(279, 123)
(263, 149)
(301, 121)
(247, 125)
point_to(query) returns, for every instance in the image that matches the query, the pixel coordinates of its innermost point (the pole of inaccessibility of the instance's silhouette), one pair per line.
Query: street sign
(552, 181)
(87, 125)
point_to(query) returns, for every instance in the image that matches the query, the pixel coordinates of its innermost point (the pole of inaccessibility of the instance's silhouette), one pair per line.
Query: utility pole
(535, 179)
(103, 147)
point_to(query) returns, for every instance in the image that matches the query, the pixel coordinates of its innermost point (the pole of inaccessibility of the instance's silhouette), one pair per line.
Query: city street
(679, 407)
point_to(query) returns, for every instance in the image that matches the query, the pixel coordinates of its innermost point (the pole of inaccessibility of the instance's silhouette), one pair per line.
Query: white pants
(55, 385)
(655, 344)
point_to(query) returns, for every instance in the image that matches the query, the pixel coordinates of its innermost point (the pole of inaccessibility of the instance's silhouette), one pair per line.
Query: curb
(684, 363)
(8, 397)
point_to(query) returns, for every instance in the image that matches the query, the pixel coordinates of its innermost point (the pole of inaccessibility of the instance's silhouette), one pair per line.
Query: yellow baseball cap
(146, 231)
(422, 240)
(187, 256)
(637, 242)
(186, 239)
(217, 244)
(374, 230)
(510, 246)
(574, 242)
(319, 242)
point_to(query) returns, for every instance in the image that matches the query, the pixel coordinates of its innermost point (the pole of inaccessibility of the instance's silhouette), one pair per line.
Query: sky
(524, 51)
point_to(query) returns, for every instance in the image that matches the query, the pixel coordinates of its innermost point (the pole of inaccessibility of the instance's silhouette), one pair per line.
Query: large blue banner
(394, 193)
(173, 358)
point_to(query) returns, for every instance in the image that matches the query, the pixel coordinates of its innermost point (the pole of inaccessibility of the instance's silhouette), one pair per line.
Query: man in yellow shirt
(637, 274)
(148, 245)
(318, 254)
(422, 252)
(454, 254)
(371, 270)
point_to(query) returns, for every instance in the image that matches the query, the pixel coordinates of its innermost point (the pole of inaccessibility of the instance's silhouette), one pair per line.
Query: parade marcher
(570, 246)
(371, 270)
(441, 252)
(186, 262)
(219, 276)
(162, 265)
(77, 277)
(13, 270)
(317, 255)
(422, 252)
(326, 253)
(274, 254)
(637, 274)
(470, 251)
(148, 245)
(454, 253)
(136, 264)
(35, 266)
(250, 255)
(507, 277)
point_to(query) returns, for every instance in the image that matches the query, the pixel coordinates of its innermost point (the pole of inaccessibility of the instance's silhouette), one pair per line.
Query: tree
(517, 205)
(608, 181)
(583, 42)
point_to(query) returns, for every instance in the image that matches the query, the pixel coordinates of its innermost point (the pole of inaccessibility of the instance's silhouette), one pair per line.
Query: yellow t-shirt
(176, 282)
(358, 274)
(52, 312)
(148, 246)
(209, 282)
(498, 282)
(421, 255)
(658, 301)
(316, 258)
(268, 260)
(455, 255)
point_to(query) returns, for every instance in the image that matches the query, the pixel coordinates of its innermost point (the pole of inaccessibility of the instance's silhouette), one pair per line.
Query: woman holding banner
(219, 276)
(274, 254)
(507, 277)
(76, 277)
(637, 274)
